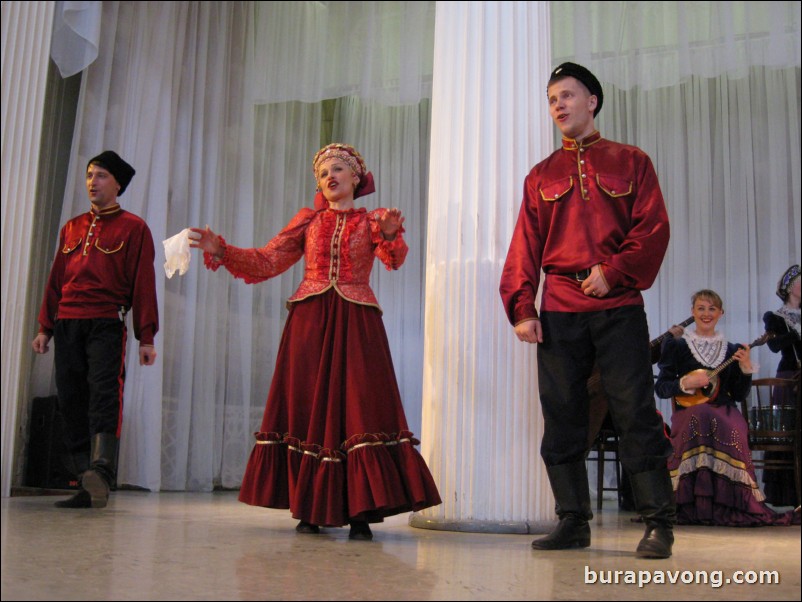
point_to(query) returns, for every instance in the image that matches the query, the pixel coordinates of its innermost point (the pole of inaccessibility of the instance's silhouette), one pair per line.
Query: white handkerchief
(176, 250)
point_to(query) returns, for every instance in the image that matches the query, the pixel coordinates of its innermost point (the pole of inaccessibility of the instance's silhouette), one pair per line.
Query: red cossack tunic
(104, 264)
(334, 444)
(588, 203)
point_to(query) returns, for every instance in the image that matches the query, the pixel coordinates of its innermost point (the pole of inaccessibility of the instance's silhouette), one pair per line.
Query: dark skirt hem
(705, 497)
(375, 476)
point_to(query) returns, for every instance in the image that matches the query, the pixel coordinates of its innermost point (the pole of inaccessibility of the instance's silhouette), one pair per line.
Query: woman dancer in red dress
(334, 446)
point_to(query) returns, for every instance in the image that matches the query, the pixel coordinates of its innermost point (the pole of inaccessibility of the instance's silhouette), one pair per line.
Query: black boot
(81, 499)
(654, 501)
(102, 471)
(569, 482)
(77, 464)
(360, 530)
(305, 527)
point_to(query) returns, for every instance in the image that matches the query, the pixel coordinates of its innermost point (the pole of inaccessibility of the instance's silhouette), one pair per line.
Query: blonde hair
(710, 295)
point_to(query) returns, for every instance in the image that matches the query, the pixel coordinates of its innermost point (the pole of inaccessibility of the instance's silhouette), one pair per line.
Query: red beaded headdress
(353, 159)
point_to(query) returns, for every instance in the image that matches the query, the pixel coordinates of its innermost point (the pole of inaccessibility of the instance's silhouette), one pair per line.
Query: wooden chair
(773, 428)
(606, 441)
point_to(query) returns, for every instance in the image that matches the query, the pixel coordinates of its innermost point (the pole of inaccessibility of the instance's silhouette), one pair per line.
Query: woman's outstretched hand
(206, 241)
(390, 222)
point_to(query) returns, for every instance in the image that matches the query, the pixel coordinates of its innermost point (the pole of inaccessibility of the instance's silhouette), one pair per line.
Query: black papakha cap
(112, 162)
(583, 75)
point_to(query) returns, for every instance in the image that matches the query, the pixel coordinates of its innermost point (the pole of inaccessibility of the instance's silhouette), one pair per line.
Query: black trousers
(618, 340)
(90, 373)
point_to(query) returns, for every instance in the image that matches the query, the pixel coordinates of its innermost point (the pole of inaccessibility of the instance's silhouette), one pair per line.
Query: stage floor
(208, 546)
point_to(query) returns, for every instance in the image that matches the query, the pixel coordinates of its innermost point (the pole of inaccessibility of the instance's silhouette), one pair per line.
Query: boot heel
(102, 468)
(656, 543)
(570, 533)
(82, 499)
(97, 488)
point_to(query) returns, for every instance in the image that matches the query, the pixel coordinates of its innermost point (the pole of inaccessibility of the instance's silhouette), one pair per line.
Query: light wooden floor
(208, 546)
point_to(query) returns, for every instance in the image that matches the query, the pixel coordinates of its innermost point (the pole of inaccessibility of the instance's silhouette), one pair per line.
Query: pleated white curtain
(711, 90)
(482, 426)
(176, 91)
(25, 43)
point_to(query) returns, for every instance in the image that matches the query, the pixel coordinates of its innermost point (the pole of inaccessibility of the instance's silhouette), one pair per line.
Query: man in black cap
(593, 219)
(103, 268)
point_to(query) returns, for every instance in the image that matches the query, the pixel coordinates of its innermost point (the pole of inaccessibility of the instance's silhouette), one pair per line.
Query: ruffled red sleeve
(391, 253)
(210, 261)
(277, 256)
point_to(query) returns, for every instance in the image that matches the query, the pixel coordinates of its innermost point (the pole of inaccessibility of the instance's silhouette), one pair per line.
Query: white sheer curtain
(482, 425)
(178, 91)
(315, 51)
(76, 35)
(166, 93)
(656, 44)
(711, 90)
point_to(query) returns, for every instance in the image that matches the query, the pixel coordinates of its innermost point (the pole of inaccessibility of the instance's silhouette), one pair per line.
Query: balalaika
(710, 391)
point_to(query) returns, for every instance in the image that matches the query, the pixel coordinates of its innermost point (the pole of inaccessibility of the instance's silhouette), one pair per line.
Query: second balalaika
(710, 391)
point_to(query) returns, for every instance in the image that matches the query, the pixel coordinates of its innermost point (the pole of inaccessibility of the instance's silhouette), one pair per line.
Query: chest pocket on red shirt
(70, 246)
(614, 186)
(553, 191)
(109, 247)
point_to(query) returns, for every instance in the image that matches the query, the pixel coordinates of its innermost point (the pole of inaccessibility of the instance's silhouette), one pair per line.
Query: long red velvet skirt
(334, 444)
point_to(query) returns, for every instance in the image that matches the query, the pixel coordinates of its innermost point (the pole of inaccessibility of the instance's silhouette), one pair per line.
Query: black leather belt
(578, 276)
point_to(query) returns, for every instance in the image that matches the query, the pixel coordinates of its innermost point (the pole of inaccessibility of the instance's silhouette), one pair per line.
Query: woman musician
(711, 468)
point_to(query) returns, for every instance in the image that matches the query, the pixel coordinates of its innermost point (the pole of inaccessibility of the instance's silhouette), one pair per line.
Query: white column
(482, 424)
(26, 30)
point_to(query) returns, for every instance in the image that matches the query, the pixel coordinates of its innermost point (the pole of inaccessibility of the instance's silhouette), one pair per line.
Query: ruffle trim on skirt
(713, 491)
(705, 457)
(371, 476)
